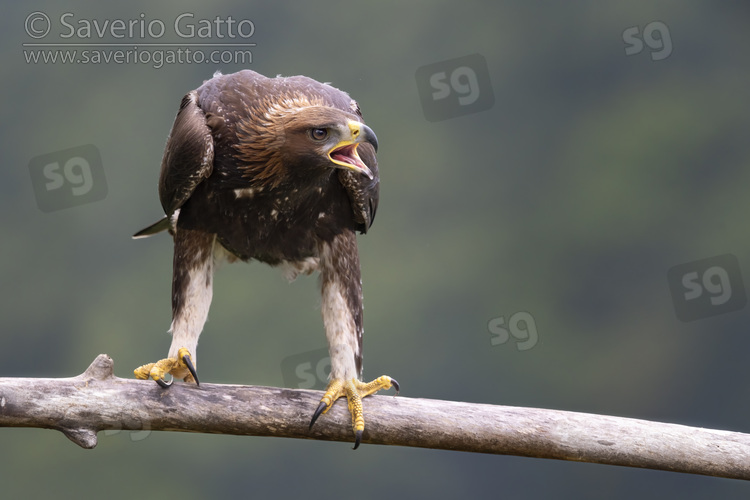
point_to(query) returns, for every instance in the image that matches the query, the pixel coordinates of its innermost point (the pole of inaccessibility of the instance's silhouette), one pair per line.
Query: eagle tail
(157, 227)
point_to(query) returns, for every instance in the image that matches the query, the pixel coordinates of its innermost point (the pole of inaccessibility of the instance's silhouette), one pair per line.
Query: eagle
(279, 170)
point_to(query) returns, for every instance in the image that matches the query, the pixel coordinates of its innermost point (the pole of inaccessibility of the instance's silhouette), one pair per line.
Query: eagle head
(300, 137)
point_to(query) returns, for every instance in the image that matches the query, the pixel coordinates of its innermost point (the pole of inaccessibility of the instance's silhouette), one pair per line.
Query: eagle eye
(319, 134)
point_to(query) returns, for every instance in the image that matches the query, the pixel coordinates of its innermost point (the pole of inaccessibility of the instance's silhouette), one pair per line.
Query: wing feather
(188, 156)
(363, 192)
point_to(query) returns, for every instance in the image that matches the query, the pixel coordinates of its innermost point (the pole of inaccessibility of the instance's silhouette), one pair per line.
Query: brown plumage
(280, 170)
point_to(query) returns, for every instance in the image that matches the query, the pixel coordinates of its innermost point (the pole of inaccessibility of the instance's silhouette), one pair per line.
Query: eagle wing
(363, 192)
(188, 156)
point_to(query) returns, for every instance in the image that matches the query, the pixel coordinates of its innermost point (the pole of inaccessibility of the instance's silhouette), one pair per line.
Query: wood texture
(97, 400)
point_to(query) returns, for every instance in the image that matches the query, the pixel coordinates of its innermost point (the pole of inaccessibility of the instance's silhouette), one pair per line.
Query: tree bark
(97, 400)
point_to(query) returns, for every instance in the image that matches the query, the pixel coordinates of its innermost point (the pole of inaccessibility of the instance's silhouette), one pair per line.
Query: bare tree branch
(97, 400)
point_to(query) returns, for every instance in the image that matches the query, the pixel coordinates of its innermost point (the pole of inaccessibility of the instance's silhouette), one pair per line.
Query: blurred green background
(592, 174)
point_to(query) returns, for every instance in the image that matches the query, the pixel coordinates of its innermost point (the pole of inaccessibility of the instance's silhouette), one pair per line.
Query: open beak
(345, 154)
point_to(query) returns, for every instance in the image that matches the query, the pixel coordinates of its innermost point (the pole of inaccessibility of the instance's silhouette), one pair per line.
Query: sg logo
(76, 171)
(134, 435)
(68, 178)
(521, 326)
(661, 45)
(456, 87)
(463, 81)
(707, 287)
(308, 370)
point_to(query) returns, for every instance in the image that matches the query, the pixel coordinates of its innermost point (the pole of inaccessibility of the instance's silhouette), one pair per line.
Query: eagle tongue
(348, 154)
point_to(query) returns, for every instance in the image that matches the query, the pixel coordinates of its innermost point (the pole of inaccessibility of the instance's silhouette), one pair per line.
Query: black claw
(163, 384)
(189, 363)
(357, 439)
(395, 384)
(322, 406)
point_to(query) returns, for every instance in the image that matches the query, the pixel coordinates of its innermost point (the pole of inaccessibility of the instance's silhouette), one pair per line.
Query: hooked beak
(345, 154)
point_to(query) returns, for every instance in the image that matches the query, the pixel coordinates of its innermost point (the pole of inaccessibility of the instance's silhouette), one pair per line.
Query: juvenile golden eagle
(281, 170)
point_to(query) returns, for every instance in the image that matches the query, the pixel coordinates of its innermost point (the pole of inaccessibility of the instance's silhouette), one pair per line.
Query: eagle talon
(189, 363)
(357, 439)
(164, 385)
(181, 366)
(354, 390)
(318, 412)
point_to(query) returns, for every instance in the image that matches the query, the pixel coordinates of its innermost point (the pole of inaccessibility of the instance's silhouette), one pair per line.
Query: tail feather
(157, 227)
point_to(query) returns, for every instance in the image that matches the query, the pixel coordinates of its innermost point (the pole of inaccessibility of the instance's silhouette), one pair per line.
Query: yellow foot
(181, 367)
(354, 390)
